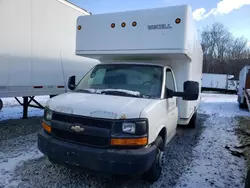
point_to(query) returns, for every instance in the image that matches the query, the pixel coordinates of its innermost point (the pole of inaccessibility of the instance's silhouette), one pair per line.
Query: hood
(97, 105)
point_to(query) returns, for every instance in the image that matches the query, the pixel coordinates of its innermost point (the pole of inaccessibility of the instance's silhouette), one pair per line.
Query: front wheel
(193, 121)
(154, 173)
(247, 182)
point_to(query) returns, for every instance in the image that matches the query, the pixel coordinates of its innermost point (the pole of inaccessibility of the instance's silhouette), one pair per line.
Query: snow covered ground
(12, 110)
(195, 157)
(224, 105)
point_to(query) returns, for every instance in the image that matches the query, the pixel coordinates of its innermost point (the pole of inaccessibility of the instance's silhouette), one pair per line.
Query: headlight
(128, 127)
(48, 115)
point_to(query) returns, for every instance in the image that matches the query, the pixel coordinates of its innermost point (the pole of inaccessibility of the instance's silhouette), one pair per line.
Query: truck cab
(119, 117)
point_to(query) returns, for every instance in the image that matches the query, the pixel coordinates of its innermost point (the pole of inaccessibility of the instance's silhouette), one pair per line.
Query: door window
(170, 84)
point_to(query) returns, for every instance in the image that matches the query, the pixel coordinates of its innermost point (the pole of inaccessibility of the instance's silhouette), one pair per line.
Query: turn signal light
(46, 127)
(113, 25)
(129, 142)
(79, 27)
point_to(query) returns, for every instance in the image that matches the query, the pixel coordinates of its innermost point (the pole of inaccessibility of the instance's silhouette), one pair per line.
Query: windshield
(123, 79)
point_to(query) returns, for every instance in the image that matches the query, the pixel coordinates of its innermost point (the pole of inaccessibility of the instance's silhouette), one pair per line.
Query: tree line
(223, 53)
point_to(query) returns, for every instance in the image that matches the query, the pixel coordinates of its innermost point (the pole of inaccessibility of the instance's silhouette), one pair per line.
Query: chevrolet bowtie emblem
(77, 128)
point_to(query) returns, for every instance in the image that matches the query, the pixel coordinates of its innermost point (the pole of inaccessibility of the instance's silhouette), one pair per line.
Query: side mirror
(72, 82)
(191, 91)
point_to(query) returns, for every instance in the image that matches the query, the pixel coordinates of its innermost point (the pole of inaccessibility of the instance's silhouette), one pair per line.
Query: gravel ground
(243, 132)
(195, 158)
(36, 171)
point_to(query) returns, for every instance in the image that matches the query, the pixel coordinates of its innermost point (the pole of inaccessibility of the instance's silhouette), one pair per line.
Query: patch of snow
(8, 165)
(213, 165)
(17, 113)
(99, 91)
(225, 105)
(13, 110)
(12, 101)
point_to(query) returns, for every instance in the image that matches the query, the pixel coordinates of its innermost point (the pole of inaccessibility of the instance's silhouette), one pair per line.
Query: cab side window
(170, 80)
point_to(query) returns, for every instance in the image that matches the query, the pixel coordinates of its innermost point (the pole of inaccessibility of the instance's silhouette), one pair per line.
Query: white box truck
(219, 82)
(120, 116)
(37, 48)
(244, 88)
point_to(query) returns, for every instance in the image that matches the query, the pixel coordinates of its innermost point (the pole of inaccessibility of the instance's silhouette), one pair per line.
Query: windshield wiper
(121, 92)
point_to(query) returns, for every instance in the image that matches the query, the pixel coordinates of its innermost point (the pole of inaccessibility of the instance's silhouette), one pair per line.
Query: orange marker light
(123, 24)
(113, 25)
(46, 127)
(79, 27)
(129, 142)
(134, 24)
(178, 20)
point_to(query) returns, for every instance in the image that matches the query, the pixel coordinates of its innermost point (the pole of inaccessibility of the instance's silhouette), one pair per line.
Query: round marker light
(178, 20)
(134, 24)
(113, 25)
(123, 24)
(79, 27)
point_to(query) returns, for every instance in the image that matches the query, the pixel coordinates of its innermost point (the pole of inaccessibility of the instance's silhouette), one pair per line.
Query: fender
(165, 136)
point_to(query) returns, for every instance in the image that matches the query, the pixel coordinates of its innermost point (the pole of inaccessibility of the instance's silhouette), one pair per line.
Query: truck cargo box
(165, 36)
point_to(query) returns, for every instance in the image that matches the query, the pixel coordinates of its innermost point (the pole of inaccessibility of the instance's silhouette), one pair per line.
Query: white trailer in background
(244, 88)
(122, 114)
(37, 48)
(219, 82)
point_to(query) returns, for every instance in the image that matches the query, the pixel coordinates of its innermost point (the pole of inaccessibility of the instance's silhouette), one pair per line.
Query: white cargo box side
(155, 36)
(37, 47)
(214, 81)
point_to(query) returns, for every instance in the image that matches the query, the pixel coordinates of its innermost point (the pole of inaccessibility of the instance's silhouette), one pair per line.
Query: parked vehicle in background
(219, 82)
(37, 49)
(244, 88)
(123, 112)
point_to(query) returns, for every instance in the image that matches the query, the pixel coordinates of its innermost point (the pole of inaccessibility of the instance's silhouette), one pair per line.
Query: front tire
(247, 182)
(244, 104)
(154, 173)
(193, 121)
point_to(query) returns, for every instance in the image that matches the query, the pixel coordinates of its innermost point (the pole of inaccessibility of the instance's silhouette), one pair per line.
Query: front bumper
(108, 161)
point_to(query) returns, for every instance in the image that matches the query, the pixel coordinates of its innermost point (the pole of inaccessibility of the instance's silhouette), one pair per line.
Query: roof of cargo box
(158, 33)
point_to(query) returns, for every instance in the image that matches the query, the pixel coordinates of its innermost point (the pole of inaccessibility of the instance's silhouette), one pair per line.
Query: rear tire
(243, 105)
(154, 173)
(1, 104)
(193, 121)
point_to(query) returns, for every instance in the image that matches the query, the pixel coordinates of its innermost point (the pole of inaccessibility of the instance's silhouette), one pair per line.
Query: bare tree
(238, 48)
(223, 53)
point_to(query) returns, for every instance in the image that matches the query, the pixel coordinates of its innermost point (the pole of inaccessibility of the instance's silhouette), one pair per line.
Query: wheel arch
(163, 134)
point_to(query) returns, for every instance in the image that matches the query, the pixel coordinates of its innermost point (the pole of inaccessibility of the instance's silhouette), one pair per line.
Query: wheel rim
(160, 158)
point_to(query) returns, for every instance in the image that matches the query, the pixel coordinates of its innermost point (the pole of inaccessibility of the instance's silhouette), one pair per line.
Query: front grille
(86, 121)
(80, 138)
